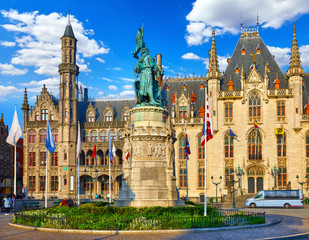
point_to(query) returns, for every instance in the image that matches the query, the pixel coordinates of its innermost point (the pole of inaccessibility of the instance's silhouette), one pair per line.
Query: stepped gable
(252, 43)
(99, 106)
(176, 87)
(305, 89)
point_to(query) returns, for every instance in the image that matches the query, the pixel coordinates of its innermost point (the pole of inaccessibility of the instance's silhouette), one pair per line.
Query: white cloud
(107, 79)
(7, 43)
(190, 56)
(127, 79)
(9, 69)
(115, 68)
(272, 14)
(128, 87)
(112, 87)
(100, 60)
(282, 55)
(222, 62)
(124, 94)
(8, 90)
(101, 93)
(52, 84)
(304, 56)
(38, 38)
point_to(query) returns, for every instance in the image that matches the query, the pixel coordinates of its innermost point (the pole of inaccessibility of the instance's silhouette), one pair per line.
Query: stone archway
(255, 175)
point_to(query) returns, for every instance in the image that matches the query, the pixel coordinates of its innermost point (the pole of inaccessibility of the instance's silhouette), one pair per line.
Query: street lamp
(239, 173)
(216, 183)
(302, 183)
(231, 185)
(274, 173)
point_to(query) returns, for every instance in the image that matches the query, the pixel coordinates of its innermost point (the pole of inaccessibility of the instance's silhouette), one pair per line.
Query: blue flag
(233, 135)
(49, 142)
(110, 149)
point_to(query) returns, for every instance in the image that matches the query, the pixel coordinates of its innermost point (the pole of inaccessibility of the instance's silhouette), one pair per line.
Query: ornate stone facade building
(253, 98)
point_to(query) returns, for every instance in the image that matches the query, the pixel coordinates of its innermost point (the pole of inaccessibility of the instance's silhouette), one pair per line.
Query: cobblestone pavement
(294, 221)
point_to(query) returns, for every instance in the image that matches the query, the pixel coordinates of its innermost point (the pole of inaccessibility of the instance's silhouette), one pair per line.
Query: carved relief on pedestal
(229, 163)
(281, 162)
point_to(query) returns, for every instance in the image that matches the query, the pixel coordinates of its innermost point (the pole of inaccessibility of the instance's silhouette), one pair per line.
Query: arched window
(108, 116)
(32, 135)
(55, 135)
(91, 117)
(201, 149)
(255, 145)
(281, 145)
(89, 158)
(126, 115)
(182, 145)
(254, 107)
(94, 136)
(82, 159)
(86, 137)
(103, 136)
(113, 136)
(42, 136)
(100, 158)
(228, 146)
(105, 185)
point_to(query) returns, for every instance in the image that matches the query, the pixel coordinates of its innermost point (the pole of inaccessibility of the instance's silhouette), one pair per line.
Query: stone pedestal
(148, 175)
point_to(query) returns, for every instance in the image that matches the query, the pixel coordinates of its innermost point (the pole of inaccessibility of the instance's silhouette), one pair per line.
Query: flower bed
(94, 217)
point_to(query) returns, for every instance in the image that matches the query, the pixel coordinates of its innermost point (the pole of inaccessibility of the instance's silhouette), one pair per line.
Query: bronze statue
(146, 87)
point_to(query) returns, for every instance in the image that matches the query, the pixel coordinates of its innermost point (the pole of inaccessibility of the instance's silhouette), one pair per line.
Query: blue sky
(180, 30)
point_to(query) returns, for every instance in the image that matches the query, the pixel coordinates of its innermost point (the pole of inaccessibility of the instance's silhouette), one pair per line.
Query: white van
(277, 198)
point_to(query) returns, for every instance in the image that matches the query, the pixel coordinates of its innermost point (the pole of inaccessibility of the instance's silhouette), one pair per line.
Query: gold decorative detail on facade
(201, 164)
(281, 162)
(255, 171)
(182, 164)
(229, 163)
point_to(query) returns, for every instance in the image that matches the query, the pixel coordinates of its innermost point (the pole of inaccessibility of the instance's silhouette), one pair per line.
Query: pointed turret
(214, 72)
(25, 109)
(295, 68)
(69, 30)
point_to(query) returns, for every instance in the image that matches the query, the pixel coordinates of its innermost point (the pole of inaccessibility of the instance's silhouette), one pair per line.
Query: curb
(132, 232)
(295, 236)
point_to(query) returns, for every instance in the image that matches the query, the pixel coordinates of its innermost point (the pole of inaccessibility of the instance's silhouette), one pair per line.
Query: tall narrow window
(44, 114)
(103, 136)
(281, 109)
(307, 175)
(182, 178)
(32, 162)
(42, 158)
(113, 136)
(201, 177)
(108, 116)
(228, 146)
(281, 145)
(182, 111)
(182, 143)
(32, 135)
(254, 107)
(94, 136)
(282, 177)
(42, 183)
(31, 183)
(228, 112)
(255, 145)
(126, 115)
(55, 135)
(307, 146)
(54, 161)
(54, 183)
(229, 176)
(42, 136)
(201, 149)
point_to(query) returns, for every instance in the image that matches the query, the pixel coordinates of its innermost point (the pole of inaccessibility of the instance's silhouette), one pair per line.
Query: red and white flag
(128, 156)
(207, 126)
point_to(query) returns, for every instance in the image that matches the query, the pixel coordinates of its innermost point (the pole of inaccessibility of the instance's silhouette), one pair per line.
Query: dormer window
(90, 117)
(236, 70)
(44, 114)
(258, 50)
(108, 116)
(182, 111)
(126, 115)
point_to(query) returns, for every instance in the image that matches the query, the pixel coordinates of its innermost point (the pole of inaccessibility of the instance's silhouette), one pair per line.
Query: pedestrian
(6, 203)
(14, 202)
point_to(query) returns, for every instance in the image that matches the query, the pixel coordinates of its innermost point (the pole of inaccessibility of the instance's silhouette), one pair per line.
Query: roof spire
(69, 30)
(295, 64)
(25, 97)
(214, 71)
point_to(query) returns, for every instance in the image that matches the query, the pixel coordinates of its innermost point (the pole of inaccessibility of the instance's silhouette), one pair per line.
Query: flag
(255, 125)
(110, 151)
(114, 151)
(79, 143)
(15, 131)
(94, 152)
(187, 146)
(128, 156)
(207, 125)
(279, 131)
(233, 135)
(49, 142)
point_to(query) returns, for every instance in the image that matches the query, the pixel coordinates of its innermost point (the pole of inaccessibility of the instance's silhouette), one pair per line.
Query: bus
(276, 198)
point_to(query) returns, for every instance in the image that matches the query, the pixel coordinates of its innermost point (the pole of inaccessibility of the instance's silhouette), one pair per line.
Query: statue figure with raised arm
(145, 73)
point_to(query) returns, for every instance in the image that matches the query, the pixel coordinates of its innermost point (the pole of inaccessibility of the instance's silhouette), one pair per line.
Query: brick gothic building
(6, 161)
(252, 89)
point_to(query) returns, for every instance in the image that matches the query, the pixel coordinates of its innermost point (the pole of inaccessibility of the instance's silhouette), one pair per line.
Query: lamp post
(239, 173)
(274, 173)
(216, 183)
(302, 183)
(231, 185)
